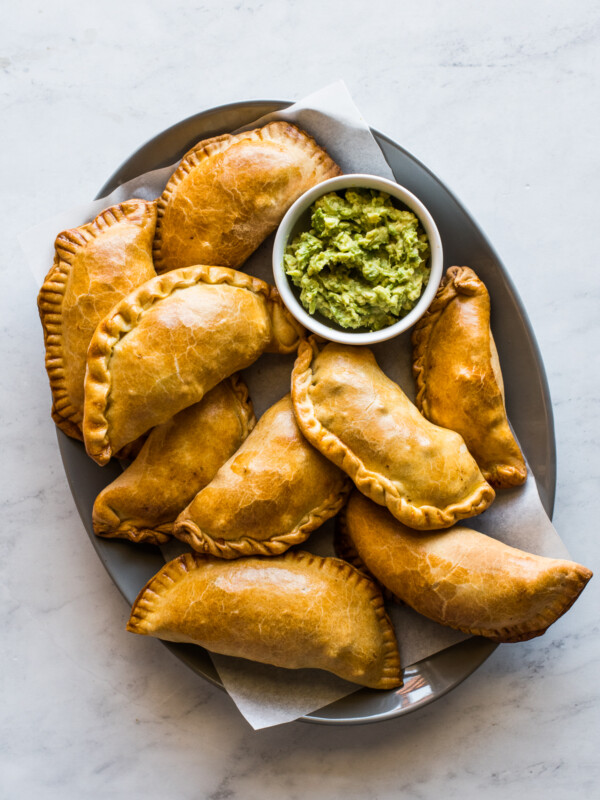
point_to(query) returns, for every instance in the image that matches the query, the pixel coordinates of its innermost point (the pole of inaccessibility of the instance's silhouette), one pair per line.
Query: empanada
(363, 422)
(459, 382)
(94, 267)
(178, 459)
(169, 342)
(295, 611)
(462, 578)
(229, 193)
(270, 494)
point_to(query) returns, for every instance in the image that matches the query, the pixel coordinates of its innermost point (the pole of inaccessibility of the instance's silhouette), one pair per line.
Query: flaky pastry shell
(295, 611)
(94, 267)
(458, 377)
(271, 494)
(344, 548)
(363, 422)
(169, 342)
(178, 459)
(230, 192)
(461, 578)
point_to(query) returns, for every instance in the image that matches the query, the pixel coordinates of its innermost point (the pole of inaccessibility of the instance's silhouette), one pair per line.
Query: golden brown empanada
(295, 611)
(229, 193)
(94, 267)
(462, 578)
(363, 422)
(459, 382)
(344, 548)
(178, 459)
(169, 342)
(270, 494)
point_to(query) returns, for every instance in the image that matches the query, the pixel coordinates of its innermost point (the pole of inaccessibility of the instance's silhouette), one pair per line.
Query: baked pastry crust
(230, 192)
(345, 549)
(363, 422)
(461, 578)
(294, 611)
(178, 459)
(94, 267)
(270, 495)
(458, 377)
(169, 342)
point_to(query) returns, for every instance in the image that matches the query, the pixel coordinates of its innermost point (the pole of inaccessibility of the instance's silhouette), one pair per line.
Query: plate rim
(548, 495)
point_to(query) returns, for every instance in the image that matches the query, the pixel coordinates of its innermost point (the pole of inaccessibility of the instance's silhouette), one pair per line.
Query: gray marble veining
(499, 99)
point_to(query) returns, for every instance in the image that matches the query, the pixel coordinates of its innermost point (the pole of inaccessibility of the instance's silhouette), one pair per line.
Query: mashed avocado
(363, 263)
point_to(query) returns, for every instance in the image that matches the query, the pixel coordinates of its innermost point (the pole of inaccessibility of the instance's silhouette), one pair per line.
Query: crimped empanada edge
(505, 476)
(148, 600)
(50, 300)
(103, 513)
(372, 485)
(160, 534)
(539, 624)
(344, 546)
(190, 533)
(391, 671)
(536, 626)
(197, 154)
(345, 549)
(124, 317)
(458, 280)
(218, 144)
(246, 409)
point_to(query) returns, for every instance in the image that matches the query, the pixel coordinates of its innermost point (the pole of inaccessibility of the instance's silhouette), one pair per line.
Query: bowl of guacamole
(357, 259)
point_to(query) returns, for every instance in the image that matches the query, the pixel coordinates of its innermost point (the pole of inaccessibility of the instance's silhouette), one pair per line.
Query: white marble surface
(500, 100)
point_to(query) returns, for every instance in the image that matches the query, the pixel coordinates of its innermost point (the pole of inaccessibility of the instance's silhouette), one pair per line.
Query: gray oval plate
(529, 408)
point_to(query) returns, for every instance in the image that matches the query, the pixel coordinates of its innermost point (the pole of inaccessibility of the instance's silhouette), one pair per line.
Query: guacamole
(363, 263)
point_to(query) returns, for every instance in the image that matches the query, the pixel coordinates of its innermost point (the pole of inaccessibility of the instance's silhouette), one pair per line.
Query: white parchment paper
(267, 695)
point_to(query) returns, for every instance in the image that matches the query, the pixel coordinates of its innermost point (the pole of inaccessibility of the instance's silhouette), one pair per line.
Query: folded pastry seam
(345, 549)
(190, 533)
(507, 469)
(178, 459)
(461, 578)
(218, 221)
(127, 314)
(69, 245)
(456, 280)
(374, 485)
(158, 535)
(151, 615)
(271, 494)
(64, 414)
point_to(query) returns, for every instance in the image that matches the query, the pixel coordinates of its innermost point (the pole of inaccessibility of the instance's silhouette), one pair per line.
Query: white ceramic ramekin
(297, 220)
